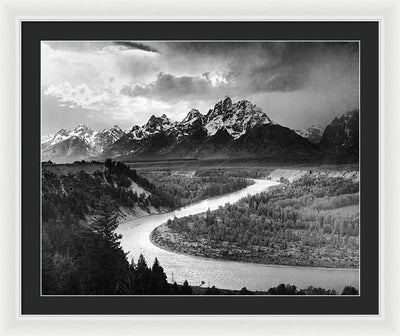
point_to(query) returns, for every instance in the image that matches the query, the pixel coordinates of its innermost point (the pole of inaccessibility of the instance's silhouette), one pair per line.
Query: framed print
(200, 168)
(96, 73)
(231, 133)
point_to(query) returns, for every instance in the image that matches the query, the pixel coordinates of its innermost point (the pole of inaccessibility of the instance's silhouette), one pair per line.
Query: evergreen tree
(105, 261)
(175, 289)
(245, 291)
(127, 287)
(213, 291)
(143, 274)
(186, 289)
(106, 223)
(349, 290)
(159, 283)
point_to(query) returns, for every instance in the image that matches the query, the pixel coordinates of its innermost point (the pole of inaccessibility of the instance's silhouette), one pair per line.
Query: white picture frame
(387, 12)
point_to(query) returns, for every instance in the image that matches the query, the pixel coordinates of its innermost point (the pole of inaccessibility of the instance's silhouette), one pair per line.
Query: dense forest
(81, 256)
(78, 194)
(81, 252)
(310, 222)
(187, 188)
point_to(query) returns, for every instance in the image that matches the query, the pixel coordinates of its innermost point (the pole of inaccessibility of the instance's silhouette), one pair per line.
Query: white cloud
(107, 103)
(126, 66)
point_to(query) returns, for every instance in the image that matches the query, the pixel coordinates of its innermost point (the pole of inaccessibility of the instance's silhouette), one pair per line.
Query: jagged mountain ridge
(342, 134)
(70, 149)
(229, 130)
(236, 118)
(82, 142)
(226, 131)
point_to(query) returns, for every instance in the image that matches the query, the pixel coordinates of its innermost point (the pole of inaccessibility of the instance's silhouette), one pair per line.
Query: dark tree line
(283, 289)
(241, 173)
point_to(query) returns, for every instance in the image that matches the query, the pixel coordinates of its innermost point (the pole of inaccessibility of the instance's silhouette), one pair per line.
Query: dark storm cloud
(279, 82)
(136, 45)
(250, 68)
(170, 86)
(85, 46)
(287, 67)
(280, 52)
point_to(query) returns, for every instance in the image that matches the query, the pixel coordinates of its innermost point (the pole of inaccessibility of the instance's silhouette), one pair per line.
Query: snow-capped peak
(115, 130)
(59, 136)
(62, 131)
(226, 103)
(312, 133)
(317, 128)
(236, 118)
(153, 125)
(85, 133)
(82, 129)
(221, 108)
(95, 140)
(157, 123)
(192, 115)
(116, 127)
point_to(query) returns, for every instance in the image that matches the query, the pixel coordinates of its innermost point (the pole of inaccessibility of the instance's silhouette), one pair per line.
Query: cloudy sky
(105, 83)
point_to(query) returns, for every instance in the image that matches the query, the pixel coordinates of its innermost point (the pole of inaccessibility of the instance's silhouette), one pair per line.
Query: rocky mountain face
(236, 118)
(312, 133)
(82, 142)
(342, 134)
(228, 131)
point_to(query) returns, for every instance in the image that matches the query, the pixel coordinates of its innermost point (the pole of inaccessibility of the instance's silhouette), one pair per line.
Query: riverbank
(164, 238)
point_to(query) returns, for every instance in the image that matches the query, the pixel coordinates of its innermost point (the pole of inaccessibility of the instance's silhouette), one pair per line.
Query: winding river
(224, 274)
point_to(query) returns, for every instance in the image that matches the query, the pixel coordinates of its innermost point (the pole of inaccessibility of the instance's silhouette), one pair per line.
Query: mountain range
(82, 142)
(229, 130)
(312, 133)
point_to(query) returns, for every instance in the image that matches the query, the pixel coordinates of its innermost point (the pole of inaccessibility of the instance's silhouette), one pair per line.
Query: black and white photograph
(195, 167)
